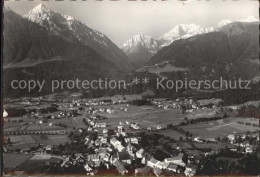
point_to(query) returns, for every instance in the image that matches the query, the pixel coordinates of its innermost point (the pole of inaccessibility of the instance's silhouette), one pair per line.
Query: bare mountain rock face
(33, 52)
(140, 48)
(76, 30)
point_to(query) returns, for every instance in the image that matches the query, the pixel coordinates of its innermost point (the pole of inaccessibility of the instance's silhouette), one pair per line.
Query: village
(123, 135)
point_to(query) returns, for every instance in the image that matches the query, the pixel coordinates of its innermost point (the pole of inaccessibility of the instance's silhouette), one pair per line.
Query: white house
(106, 158)
(123, 134)
(105, 131)
(197, 139)
(176, 160)
(120, 127)
(233, 107)
(156, 163)
(194, 106)
(110, 111)
(152, 162)
(117, 144)
(140, 153)
(101, 125)
(231, 138)
(149, 128)
(159, 127)
(48, 148)
(249, 150)
(161, 165)
(135, 126)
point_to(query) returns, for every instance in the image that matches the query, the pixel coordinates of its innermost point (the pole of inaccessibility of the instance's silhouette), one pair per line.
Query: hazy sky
(120, 20)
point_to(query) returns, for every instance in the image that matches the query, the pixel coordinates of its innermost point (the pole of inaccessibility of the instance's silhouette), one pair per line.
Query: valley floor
(114, 135)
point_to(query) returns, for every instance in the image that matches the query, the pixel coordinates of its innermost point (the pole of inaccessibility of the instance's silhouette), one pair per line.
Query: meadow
(220, 128)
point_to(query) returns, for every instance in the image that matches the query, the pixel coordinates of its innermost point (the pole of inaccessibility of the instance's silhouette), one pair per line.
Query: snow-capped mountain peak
(140, 48)
(181, 31)
(141, 40)
(138, 39)
(60, 23)
(40, 8)
(209, 29)
(141, 37)
(249, 19)
(223, 23)
(39, 14)
(71, 28)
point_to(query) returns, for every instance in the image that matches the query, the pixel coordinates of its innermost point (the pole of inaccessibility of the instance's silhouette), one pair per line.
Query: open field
(36, 165)
(210, 101)
(33, 127)
(219, 128)
(201, 113)
(21, 142)
(51, 139)
(145, 116)
(23, 139)
(170, 133)
(76, 122)
(153, 116)
(28, 141)
(12, 160)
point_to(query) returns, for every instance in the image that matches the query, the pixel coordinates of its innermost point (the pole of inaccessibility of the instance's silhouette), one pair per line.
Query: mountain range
(140, 48)
(33, 51)
(68, 26)
(47, 45)
(230, 52)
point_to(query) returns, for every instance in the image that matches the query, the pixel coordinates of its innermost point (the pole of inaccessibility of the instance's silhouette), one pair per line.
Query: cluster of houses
(119, 151)
(95, 102)
(119, 156)
(108, 110)
(165, 104)
(243, 142)
(190, 104)
(173, 164)
(137, 127)
(90, 104)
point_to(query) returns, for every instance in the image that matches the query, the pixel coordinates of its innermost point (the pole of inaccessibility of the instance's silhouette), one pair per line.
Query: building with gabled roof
(176, 160)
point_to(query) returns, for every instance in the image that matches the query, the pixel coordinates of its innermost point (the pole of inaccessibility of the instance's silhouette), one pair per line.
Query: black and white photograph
(130, 88)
